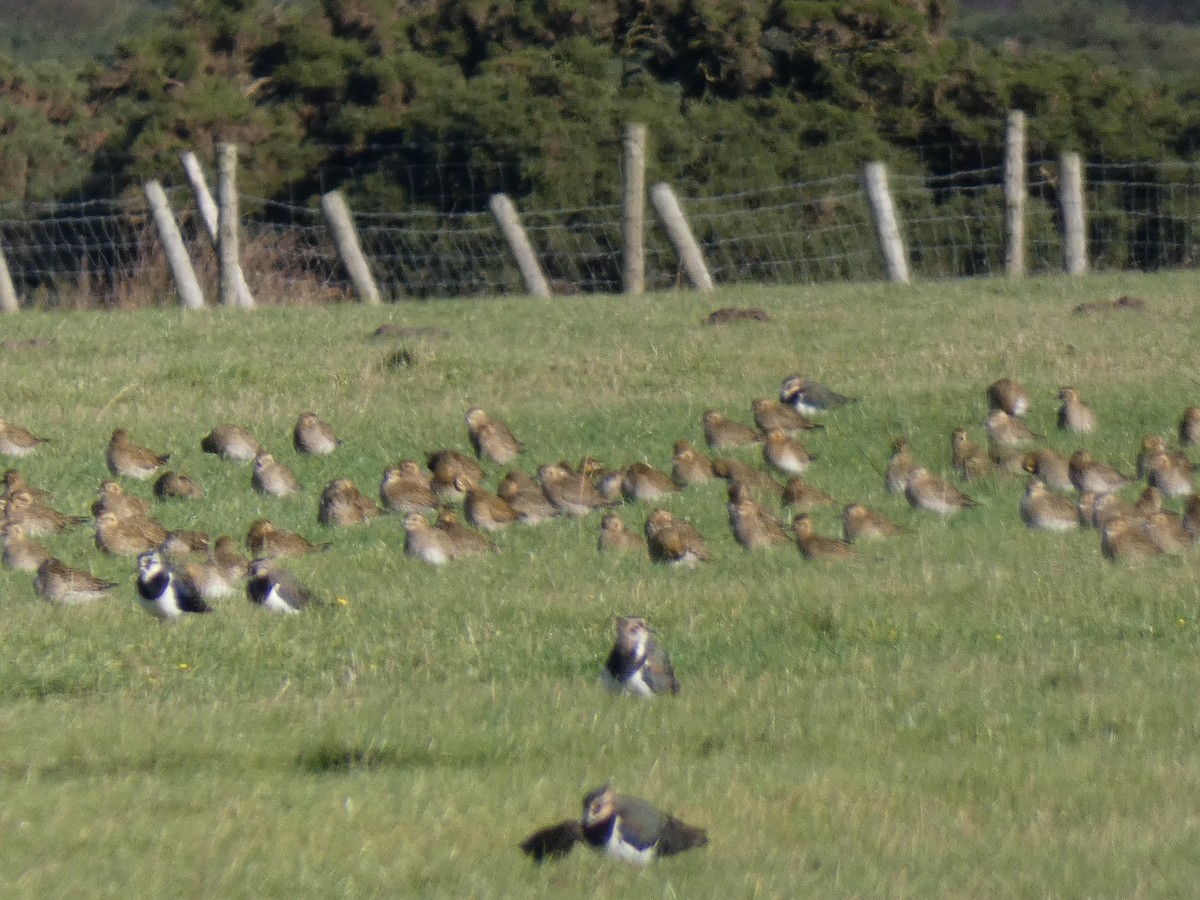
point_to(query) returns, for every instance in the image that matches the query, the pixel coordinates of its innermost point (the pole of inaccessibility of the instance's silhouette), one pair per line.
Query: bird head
(599, 805)
(150, 563)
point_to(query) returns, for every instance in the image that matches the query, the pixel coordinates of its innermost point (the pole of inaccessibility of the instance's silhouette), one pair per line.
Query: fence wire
(1142, 216)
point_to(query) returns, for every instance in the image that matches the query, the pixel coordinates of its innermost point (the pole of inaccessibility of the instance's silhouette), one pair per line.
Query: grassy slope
(975, 711)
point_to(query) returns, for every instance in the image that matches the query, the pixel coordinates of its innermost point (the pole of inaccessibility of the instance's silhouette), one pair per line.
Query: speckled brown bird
(899, 466)
(785, 454)
(313, 436)
(1006, 460)
(424, 542)
(1150, 502)
(610, 484)
(721, 433)
(1050, 466)
(35, 517)
(1008, 395)
(491, 438)
(571, 493)
(487, 511)
(616, 537)
(1165, 530)
(464, 541)
(1124, 540)
(183, 543)
(405, 488)
(526, 497)
(1009, 431)
(343, 504)
(16, 441)
(934, 494)
(769, 414)
(130, 460)
(818, 547)
(221, 573)
(172, 485)
(58, 583)
(760, 484)
(1046, 511)
(20, 552)
(129, 536)
(1152, 446)
(1191, 516)
(1075, 415)
(802, 497)
(969, 459)
(1097, 510)
(231, 442)
(273, 478)
(1089, 474)
(672, 541)
(862, 523)
(1189, 427)
(754, 526)
(446, 465)
(264, 539)
(643, 483)
(688, 465)
(1171, 473)
(13, 480)
(113, 498)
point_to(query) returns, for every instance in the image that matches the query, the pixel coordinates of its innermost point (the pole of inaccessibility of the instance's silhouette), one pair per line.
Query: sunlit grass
(974, 710)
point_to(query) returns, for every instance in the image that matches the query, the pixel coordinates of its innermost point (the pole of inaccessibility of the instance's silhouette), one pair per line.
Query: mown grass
(975, 710)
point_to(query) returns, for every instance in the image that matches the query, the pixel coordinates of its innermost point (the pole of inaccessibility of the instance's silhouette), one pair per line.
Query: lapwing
(165, 591)
(637, 663)
(627, 828)
(811, 397)
(276, 590)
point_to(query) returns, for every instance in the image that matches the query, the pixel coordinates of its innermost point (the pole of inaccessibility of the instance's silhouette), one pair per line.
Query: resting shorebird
(1046, 511)
(405, 488)
(1007, 394)
(273, 478)
(265, 539)
(58, 583)
(231, 442)
(625, 827)
(131, 460)
(314, 436)
(899, 467)
(615, 536)
(929, 492)
(16, 441)
(343, 504)
(689, 466)
(969, 459)
(817, 547)
(491, 438)
(175, 486)
(721, 433)
(637, 663)
(1074, 414)
(770, 414)
(811, 397)
(861, 523)
(276, 590)
(672, 541)
(166, 592)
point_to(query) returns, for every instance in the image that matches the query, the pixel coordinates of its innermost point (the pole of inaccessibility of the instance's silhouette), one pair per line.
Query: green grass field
(975, 710)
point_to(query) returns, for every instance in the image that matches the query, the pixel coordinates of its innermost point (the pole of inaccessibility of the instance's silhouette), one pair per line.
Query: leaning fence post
(1014, 195)
(188, 288)
(8, 294)
(518, 241)
(227, 228)
(337, 214)
(666, 204)
(633, 220)
(208, 215)
(886, 225)
(1070, 198)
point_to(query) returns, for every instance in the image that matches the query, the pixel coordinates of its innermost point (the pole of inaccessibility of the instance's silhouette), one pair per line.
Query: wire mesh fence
(92, 253)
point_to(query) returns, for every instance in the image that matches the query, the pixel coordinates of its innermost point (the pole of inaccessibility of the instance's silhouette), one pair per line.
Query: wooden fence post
(186, 285)
(518, 241)
(208, 215)
(227, 228)
(1070, 198)
(670, 213)
(633, 221)
(8, 294)
(345, 237)
(1015, 192)
(886, 225)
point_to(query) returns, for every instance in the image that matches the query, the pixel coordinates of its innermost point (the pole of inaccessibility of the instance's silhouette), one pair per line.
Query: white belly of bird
(275, 603)
(618, 848)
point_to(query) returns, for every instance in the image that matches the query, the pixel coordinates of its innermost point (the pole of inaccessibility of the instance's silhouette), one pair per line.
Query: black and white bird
(637, 663)
(276, 590)
(165, 591)
(629, 828)
(811, 397)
